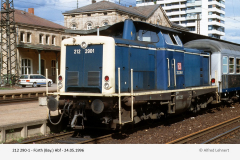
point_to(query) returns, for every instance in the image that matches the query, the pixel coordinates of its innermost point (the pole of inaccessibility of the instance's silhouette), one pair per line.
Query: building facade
(38, 43)
(107, 13)
(206, 17)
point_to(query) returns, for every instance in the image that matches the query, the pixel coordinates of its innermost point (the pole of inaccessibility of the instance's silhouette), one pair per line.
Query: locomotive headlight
(106, 86)
(84, 45)
(60, 85)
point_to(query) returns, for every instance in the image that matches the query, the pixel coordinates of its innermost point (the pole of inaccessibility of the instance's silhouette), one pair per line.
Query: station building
(105, 13)
(38, 44)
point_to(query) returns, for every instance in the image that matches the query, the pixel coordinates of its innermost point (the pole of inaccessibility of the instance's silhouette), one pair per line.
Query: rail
(47, 139)
(212, 140)
(203, 132)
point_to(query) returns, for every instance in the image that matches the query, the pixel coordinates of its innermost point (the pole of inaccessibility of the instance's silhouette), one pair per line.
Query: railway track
(206, 131)
(66, 138)
(224, 135)
(48, 139)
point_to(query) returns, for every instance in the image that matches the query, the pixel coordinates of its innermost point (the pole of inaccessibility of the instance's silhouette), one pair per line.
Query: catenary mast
(8, 56)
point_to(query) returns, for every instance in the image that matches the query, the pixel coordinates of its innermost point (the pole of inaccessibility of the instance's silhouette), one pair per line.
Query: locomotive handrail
(119, 97)
(47, 82)
(57, 79)
(132, 94)
(168, 73)
(175, 82)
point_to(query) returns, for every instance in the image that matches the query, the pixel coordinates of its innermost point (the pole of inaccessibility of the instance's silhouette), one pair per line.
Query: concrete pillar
(24, 132)
(43, 128)
(39, 62)
(3, 135)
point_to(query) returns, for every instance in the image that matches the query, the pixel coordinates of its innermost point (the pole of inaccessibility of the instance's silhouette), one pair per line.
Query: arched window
(53, 67)
(53, 40)
(29, 36)
(105, 23)
(22, 34)
(41, 38)
(47, 39)
(74, 27)
(89, 26)
(26, 66)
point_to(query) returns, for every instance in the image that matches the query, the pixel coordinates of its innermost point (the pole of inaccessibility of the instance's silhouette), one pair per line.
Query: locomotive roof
(214, 46)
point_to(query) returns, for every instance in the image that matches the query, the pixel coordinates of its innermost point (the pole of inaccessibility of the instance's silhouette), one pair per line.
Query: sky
(52, 10)
(232, 21)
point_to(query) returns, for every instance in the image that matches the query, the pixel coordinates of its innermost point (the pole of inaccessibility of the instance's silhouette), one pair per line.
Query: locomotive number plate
(87, 51)
(179, 72)
(77, 51)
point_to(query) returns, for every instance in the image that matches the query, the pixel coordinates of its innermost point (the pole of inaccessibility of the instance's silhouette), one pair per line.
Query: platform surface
(24, 112)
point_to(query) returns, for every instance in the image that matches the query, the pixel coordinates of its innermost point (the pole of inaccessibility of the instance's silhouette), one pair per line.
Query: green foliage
(20, 139)
(11, 78)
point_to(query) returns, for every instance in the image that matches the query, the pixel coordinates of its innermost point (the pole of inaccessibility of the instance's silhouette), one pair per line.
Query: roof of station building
(141, 11)
(23, 17)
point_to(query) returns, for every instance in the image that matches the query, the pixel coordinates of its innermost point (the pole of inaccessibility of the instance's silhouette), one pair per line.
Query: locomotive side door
(178, 63)
(175, 65)
(170, 69)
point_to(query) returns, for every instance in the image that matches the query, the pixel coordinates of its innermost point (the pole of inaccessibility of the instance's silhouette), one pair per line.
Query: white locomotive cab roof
(214, 46)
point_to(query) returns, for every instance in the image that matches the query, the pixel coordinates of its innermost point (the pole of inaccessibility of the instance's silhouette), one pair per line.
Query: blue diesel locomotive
(137, 72)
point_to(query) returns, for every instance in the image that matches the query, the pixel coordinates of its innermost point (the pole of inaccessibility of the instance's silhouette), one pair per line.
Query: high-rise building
(206, 17)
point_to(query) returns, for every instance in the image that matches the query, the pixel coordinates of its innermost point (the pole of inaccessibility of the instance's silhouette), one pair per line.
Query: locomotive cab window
(172, 39)
(167, 38)
(225, 65)
(178, 40)
(231, 65)
(147, 36)
(238, 65)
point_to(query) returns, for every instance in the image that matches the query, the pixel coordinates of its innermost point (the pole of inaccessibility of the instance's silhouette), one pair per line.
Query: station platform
(23, 119)
(29, 89)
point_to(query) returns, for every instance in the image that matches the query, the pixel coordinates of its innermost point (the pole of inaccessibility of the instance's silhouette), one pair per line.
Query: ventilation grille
(73, 78)
(93, 78)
